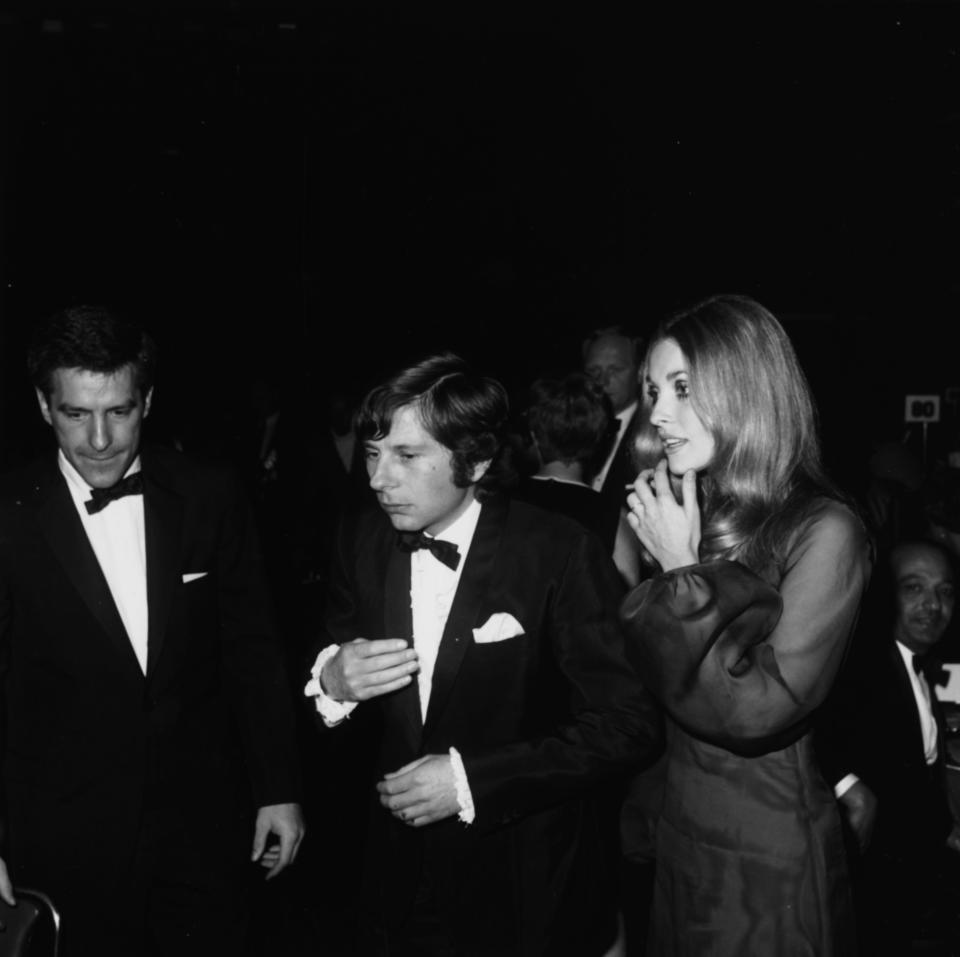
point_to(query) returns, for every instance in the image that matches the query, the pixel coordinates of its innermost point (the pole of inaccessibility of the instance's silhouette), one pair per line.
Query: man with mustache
(883, 745)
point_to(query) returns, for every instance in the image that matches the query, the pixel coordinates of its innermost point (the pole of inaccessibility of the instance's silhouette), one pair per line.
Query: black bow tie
(101, 497)
(930, 668)
(445, 552)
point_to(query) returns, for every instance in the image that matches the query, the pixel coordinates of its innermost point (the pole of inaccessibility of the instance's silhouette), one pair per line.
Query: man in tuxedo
(148, 741)
(611, 357)
(882, 745)
(483, 633)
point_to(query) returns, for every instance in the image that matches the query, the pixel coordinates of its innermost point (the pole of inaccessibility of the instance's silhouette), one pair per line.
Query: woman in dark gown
(759, 572)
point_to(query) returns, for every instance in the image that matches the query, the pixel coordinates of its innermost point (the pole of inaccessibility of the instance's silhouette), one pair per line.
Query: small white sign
(922, 408)
(951, 690)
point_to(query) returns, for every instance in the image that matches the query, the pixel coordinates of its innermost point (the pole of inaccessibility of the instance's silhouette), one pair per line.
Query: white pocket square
(498, 627)
(193, 576)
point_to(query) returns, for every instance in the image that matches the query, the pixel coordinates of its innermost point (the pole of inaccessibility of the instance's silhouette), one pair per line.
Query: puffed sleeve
(738, 662)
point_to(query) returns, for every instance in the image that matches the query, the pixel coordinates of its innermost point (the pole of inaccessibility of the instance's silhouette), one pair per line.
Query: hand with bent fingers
(668, 529)
(364, 669)
(859, 806)
(285, 823)
(421, 792)
(953, 841)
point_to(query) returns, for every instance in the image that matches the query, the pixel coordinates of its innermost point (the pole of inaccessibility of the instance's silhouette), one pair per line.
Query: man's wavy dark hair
(465, 412)
(92, 338)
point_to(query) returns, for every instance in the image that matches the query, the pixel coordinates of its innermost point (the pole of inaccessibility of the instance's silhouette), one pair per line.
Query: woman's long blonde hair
(750, 393)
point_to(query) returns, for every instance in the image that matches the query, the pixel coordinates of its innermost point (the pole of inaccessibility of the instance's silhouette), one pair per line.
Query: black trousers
(173, 897)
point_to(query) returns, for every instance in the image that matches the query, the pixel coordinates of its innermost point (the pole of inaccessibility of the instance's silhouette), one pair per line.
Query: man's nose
(100, 436)
(379, 475)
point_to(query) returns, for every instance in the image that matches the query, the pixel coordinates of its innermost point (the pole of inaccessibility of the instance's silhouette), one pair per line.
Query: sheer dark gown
(750, 857)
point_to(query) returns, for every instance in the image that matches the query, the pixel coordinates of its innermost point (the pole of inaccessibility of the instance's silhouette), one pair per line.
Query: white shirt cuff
(332, 711)
(464, 797)
(844, 785)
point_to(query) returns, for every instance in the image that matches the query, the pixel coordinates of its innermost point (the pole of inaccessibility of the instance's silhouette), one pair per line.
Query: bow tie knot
(442, 551)
(930, 668)
(101, 497)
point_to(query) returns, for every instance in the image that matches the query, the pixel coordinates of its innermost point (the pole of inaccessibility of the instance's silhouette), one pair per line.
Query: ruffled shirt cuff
(332, 711)
(464, 797)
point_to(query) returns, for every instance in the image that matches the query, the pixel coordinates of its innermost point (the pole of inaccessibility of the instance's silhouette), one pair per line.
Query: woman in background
(759, 568)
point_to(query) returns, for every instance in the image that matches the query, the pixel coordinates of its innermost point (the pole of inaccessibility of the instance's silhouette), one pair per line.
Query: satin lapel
(909, 699)
(403, 706)
(471, 591)
(163, 521)
(936, 706)
(941, 720)
(62, 528)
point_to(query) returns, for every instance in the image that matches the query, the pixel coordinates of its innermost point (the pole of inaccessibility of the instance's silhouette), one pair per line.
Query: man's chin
(102, 478)
(403, 523)
(402, 519)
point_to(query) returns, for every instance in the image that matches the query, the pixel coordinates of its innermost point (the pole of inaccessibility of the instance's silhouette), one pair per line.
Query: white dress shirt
(433, 587)
(921, 694)
(116, 534)
(623, 417)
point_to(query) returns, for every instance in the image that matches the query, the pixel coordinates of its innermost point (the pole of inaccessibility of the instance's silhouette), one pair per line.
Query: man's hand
(364, 669)
(953, 841)
(6, 885)
(422, 792)
(859, 805)
(286, 822)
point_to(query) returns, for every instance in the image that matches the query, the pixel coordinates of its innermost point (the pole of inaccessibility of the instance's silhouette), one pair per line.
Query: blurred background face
(96, 418)
(611, 364)
(924, 595)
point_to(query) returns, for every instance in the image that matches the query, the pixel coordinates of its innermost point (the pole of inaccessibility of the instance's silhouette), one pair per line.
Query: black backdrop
(308, 192)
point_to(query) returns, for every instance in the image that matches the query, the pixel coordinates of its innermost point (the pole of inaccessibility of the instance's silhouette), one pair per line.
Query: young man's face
(412, 474)
(96, 418)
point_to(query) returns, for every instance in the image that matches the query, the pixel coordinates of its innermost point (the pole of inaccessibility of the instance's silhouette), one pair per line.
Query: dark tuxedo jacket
(621, 471)
(871, 728)
(541, 720)
(103, 766)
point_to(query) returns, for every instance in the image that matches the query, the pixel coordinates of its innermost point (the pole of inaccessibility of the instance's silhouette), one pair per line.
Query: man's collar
(908, 654)
(460, 533)
(624, 414)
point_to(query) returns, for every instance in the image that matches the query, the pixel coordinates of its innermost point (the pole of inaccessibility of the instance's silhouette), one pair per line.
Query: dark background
(294, 194)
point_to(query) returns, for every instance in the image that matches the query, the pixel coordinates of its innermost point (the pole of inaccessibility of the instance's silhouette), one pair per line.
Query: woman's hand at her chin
(668, 529)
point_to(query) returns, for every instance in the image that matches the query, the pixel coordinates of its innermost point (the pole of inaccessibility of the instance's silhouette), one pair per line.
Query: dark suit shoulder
(189, 474)
(27, 481)
(365, 524)
(542, 528)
